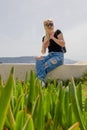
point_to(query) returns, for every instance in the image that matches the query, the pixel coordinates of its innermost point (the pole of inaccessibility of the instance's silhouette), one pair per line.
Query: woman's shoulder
(43, 38)
(58, 31)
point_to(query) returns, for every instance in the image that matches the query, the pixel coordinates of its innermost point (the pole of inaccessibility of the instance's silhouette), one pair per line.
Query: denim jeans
(48, 63)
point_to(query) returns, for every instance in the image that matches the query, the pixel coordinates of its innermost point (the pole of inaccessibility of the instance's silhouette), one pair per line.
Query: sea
(27, 59)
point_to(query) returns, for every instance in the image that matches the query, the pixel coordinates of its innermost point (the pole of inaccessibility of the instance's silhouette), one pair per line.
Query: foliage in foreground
(28, 106)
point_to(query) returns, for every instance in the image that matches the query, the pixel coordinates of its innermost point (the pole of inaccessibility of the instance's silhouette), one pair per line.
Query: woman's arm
(43, 50)
(45, 45)
(60, 41)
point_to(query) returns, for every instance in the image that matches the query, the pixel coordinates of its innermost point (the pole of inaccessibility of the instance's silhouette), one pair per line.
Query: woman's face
(49, 25)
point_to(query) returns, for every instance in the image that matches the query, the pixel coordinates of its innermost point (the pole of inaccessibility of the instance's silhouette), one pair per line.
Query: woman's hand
(45, 45)
(59, 40)
(46, 41)
(52, 35)
(39, 57)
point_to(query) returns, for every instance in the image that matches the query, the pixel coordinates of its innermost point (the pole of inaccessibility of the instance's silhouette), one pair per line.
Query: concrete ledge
(19, 70)
(63, 72)
(66, 72)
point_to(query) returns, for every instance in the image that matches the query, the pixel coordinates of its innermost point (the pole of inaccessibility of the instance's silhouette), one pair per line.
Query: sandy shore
(63, 72)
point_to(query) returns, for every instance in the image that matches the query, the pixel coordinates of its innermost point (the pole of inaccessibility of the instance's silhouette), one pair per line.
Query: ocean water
(27, 59)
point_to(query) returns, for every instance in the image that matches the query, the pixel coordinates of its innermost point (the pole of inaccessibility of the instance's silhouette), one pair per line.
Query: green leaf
(20, 120)
(29, 123)
(24, 121)
(5, 97)
(86, 104)
(32, 91)
(79, 95)
(76, 107)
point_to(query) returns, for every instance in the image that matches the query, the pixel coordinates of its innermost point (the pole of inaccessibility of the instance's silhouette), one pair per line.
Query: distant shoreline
(27, 59)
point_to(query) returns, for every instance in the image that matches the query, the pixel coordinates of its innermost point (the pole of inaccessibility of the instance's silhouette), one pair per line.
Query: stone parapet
(63, 72)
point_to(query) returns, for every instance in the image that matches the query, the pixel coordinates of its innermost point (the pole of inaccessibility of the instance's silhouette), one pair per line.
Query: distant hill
(69, 61)
(27, 59)
(23, 59)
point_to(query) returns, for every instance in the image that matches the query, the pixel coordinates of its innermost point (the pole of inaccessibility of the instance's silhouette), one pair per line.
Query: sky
(21, 26)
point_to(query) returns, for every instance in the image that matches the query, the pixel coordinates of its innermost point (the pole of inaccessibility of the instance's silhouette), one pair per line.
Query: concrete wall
(63, 72)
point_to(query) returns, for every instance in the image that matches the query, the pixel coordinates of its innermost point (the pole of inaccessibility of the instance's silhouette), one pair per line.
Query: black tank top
(54, 47)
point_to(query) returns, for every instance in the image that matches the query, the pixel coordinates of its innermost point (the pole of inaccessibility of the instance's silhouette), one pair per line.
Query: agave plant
(25, 105)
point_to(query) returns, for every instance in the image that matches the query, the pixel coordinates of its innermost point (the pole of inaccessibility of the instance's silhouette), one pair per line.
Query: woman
(54, 41)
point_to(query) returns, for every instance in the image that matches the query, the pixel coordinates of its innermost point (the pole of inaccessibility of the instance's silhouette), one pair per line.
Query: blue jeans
(48, 63)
